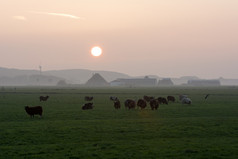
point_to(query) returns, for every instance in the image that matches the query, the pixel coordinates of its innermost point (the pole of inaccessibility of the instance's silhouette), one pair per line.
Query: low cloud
(19, 18)
(60, 14)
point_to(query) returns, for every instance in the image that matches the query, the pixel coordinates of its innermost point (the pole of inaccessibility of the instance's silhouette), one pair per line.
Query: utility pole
(40, 69)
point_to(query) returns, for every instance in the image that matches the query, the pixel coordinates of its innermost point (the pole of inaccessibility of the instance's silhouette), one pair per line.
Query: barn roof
(97, 81)
(135, 81)
(165, 82)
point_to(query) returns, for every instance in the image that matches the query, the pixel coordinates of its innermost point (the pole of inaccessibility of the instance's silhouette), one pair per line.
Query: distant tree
(50, 80)
(61, 83)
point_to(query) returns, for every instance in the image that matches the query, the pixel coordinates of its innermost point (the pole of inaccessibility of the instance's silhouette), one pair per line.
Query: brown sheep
(148, 98)
(162, 100)
(42, 98)
(141, 103)
(154, 104)
(130, 104)
(117, 104)
(171, 98)
(87, 106)
(37, 110)
(87, 98)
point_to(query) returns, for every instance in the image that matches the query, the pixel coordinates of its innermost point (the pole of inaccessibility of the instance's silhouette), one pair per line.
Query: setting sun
(96, 51)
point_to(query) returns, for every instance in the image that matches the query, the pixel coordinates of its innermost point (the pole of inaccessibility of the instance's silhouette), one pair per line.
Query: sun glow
(96, 51)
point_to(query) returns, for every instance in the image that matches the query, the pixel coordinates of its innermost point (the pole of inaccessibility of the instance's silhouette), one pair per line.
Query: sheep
(154, 104)
(162, 100)
(36, 110)
(148, 98)
(186, 101)
(87, 106)
(113, 98)
(171, 98)
(117, 104)
(130, 104)
(141, 103)
(87, 98)
(42, 98)
(182, 96)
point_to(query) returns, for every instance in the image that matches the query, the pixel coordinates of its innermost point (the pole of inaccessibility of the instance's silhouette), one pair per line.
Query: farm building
(117, 82)
(165, 82)
(97, 81)
(204, 83)
(135, 82)
(30, 80)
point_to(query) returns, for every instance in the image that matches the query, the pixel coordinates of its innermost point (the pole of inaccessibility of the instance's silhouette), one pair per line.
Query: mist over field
(125, 79)
(17, 77)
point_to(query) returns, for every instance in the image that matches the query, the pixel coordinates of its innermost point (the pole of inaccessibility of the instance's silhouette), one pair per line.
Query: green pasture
(206, 129)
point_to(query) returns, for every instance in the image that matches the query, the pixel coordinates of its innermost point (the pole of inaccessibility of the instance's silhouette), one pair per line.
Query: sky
(167, 38)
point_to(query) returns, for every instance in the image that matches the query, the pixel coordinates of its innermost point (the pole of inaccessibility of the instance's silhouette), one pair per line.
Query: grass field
(205, 129)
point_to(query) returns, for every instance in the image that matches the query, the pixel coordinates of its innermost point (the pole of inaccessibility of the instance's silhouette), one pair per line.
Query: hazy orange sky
(168, 38)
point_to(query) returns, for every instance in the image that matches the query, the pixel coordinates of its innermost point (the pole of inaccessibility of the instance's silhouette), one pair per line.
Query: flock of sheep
(152, 101)
(129, 103)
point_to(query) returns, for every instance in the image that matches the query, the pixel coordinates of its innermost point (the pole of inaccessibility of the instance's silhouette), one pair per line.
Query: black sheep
(87, 106)
(42, 98)
(171, 98)
(87, 98)
(154, 104)
(141, 103)
(117, 104)
(37, 110)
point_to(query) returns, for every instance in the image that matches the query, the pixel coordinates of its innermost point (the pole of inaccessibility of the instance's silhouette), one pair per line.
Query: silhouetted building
(30, 80)
(165, 82)
(62, 83)
(97, 81)
(204, 83)
(135, 82)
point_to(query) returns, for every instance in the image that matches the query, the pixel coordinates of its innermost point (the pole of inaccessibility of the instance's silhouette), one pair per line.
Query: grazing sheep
(87, 98)
(117, 104)
(154, 104)
(37, 110)
(141, 103)
(171, 98)
(182, 96)
(87, 106)
(112, 98)
(42, 98)
(162, 100)
(130, 104)
(148, 98)
(186, 101)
